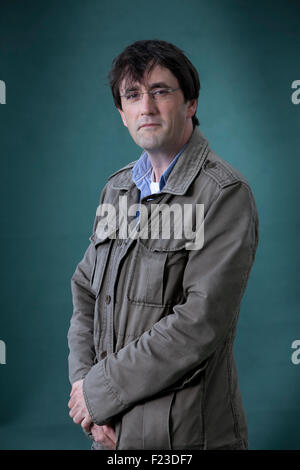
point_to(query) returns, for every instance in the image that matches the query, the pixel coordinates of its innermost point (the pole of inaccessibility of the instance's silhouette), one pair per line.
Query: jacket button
(210, 164)
(103, 354)
(107, 299)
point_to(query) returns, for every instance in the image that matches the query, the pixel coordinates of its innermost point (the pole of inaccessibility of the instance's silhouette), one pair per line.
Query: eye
(160, 92)
(131, 96)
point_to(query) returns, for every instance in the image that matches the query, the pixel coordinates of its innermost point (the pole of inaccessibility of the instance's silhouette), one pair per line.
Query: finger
(73, 391)
(107, 442)
(86, 423)
(72, 412)
(75, 387)
(109, 431)
(75, 410)
(97, 433)
(79, 416)
(73, 402)
(101, 437)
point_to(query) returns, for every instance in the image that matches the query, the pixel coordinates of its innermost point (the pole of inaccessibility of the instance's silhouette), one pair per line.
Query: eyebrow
(154, 85)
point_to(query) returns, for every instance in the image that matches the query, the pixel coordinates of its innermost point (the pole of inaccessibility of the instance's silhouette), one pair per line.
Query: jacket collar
(183, 173)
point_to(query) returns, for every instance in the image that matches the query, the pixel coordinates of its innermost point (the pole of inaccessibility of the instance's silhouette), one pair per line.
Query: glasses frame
(151, 93)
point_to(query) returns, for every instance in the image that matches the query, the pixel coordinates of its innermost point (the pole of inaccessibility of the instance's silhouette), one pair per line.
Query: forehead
(158, 74)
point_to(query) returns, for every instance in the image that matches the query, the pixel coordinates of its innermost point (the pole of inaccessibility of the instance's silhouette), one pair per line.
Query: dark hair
(144, 55)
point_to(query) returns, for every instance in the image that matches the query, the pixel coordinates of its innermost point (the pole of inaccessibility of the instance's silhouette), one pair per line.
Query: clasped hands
(105, 435)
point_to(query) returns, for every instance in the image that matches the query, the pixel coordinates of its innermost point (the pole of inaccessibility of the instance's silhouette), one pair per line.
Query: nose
(147, 104)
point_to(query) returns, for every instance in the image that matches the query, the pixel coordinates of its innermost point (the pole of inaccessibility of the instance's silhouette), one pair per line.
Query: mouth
(148, 125)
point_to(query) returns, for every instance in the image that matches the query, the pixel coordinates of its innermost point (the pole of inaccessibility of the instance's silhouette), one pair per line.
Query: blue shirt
(141, 174)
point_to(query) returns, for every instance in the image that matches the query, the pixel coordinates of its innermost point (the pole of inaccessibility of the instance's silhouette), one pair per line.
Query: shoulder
(126, 168)
(221, 171)
(120, 179)
(225, 179)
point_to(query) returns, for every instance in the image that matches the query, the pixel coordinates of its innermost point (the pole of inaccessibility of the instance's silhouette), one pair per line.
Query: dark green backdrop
(61, 137)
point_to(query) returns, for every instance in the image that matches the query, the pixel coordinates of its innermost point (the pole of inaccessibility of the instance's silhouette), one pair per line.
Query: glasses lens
(132, 97)
(161, 94)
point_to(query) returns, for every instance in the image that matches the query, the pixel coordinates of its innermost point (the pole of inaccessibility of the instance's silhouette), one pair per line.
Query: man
(151, 337)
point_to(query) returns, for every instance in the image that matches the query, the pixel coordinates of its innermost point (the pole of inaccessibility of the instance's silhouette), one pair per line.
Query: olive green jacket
(154, 323)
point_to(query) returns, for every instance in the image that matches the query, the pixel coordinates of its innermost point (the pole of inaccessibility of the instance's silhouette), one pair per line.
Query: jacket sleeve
(214, 280)
(80, 334)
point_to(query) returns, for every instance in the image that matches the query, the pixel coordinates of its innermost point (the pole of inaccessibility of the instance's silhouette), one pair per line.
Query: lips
(149, 125)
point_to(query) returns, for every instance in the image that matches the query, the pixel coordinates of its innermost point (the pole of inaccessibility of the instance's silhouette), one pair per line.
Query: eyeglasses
(159, 95)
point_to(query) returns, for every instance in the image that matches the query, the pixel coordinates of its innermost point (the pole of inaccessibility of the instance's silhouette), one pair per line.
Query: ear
(123, 117)
(191, 108)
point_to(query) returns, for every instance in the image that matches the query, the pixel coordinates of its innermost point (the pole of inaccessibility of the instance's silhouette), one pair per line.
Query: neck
(160, 159)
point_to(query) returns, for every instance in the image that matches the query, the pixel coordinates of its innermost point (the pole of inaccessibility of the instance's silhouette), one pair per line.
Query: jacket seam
(128, 167)
(143, 428)
(202, 157)
(169, 421)
(88, 405)
(233, 408)
(227, 180)
(203, 390)
(246, 273)
(229, 369)
(109, 387)
(104, 325)
(254, 218)
(110, 317)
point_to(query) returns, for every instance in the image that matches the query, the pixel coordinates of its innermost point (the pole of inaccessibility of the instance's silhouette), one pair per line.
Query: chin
(151, 142)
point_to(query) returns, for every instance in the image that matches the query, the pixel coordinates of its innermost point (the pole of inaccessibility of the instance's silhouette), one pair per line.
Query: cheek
(132, 128)
(130, 123)
(175, 116)
(177, 121)
(129, 120)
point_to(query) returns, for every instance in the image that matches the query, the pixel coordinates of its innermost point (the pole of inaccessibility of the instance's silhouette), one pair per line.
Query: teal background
(61, 137)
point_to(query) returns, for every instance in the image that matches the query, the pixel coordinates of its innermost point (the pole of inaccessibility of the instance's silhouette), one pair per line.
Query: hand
(78, 409)
(105, 435)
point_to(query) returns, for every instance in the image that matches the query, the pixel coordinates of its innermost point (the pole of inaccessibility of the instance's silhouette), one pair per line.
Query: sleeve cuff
(101, 400)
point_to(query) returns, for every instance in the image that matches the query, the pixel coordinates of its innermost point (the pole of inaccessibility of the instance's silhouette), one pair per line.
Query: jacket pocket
(156, 276)
(102, 247)
(156, 428)
(172, 419)
(187, 426)
(146, 425)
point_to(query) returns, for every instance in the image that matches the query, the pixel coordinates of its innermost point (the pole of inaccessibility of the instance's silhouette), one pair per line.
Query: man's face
(169, 118)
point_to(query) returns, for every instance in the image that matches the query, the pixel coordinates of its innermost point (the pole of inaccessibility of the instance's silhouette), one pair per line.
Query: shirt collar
(182, 176)
(142, 170)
